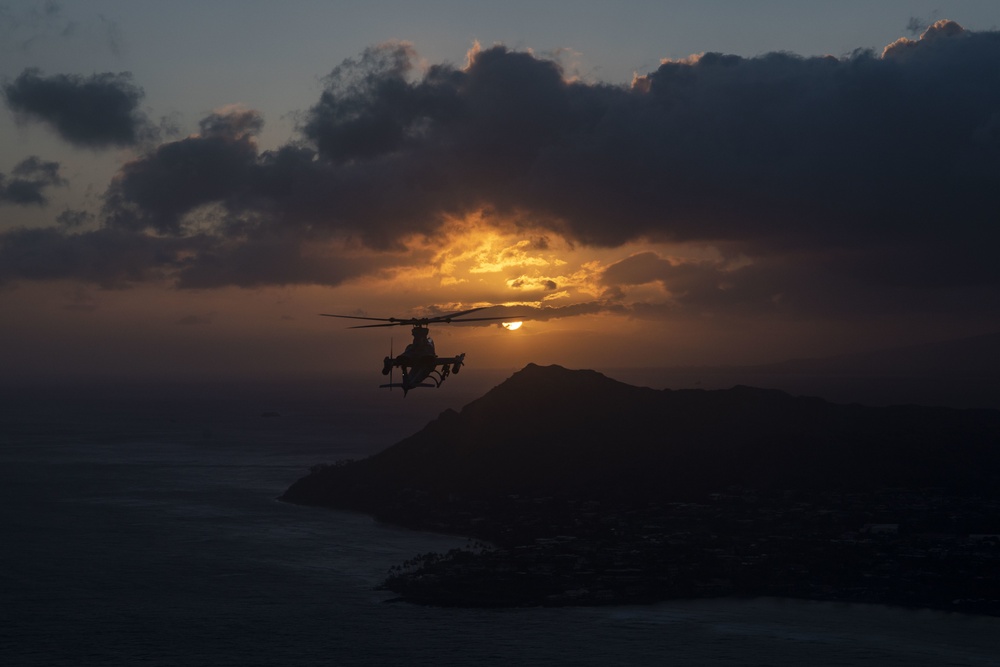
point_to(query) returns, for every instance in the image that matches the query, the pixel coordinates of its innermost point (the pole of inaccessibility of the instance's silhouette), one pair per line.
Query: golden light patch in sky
(474, 247)
(512, 326)
(523, 265)
(482, 260)
(473, 260)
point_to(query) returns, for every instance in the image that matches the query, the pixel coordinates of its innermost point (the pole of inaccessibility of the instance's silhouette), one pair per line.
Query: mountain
(550, 431)
(958, 373)
(590, 491)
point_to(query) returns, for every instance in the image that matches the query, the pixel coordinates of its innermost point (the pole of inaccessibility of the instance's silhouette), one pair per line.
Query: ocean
(140, 526)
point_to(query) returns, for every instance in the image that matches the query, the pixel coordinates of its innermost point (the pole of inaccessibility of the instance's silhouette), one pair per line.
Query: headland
(581, 490)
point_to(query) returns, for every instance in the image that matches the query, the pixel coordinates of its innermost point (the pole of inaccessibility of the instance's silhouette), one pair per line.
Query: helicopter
(419, 361)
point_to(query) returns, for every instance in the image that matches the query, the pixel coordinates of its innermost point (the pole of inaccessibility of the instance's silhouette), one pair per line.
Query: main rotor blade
(411, 320)
(508, 318)
(358, 317)
(423, 321)
(390, 324)
(449, 316)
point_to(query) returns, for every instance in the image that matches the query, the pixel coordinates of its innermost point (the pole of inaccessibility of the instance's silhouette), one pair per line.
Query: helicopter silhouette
(419, 361)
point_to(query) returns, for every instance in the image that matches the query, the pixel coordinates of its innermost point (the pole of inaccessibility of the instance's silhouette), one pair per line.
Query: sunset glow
(581, 332)
(217, 209)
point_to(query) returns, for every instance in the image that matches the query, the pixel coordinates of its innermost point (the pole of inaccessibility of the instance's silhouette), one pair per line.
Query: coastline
(551, 552)
(594, 492)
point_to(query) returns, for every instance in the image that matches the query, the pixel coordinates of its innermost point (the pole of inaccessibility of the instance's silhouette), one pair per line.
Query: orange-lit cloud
(714, 184)
(939, 29)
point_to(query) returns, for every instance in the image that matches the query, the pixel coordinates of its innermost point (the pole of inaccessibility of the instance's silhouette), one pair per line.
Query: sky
(185, 186)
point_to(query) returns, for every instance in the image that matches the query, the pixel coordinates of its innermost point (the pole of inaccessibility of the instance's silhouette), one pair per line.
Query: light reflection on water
(164, 545)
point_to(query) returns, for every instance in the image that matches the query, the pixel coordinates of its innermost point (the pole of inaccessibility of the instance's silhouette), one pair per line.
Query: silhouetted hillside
(553, 431)
(959, 373)
(591, 491)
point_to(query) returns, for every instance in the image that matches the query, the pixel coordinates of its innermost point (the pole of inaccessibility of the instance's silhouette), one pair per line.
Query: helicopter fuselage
(419, 363)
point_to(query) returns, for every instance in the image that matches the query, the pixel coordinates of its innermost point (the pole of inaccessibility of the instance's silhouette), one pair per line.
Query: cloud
(824, 283)
(31, 177)
(644, 267)
(533, 284)
(273, 260)
(903, 47)
(546, 313)
(71, 218)
(109, 258)
(811, 150)
(156, 191)
(820, 180)
(233, 123)
(98, 111)
(366, 106)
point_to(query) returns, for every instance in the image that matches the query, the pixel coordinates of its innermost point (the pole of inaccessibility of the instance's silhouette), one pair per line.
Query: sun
(512, 326)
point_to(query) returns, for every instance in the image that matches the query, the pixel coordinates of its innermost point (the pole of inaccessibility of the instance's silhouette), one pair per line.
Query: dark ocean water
(140, 527)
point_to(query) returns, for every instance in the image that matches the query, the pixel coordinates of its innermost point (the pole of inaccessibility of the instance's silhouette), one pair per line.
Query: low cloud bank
(864, 179)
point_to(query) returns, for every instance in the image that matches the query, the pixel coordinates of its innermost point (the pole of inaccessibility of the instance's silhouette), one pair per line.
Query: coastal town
(922, 548)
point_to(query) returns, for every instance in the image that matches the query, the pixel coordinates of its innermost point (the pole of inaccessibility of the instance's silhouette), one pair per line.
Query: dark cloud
(98, 111)
(72, 219)
(545, 313)
(28, 180)
(367, 105)
(109, 258)
(220, 165)
(645, 267)
(774, 149)
(824, 182)
(178, 177)
(806, 284)
(271, 260)
(235, 124)
(119, 258)
(546, 285)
